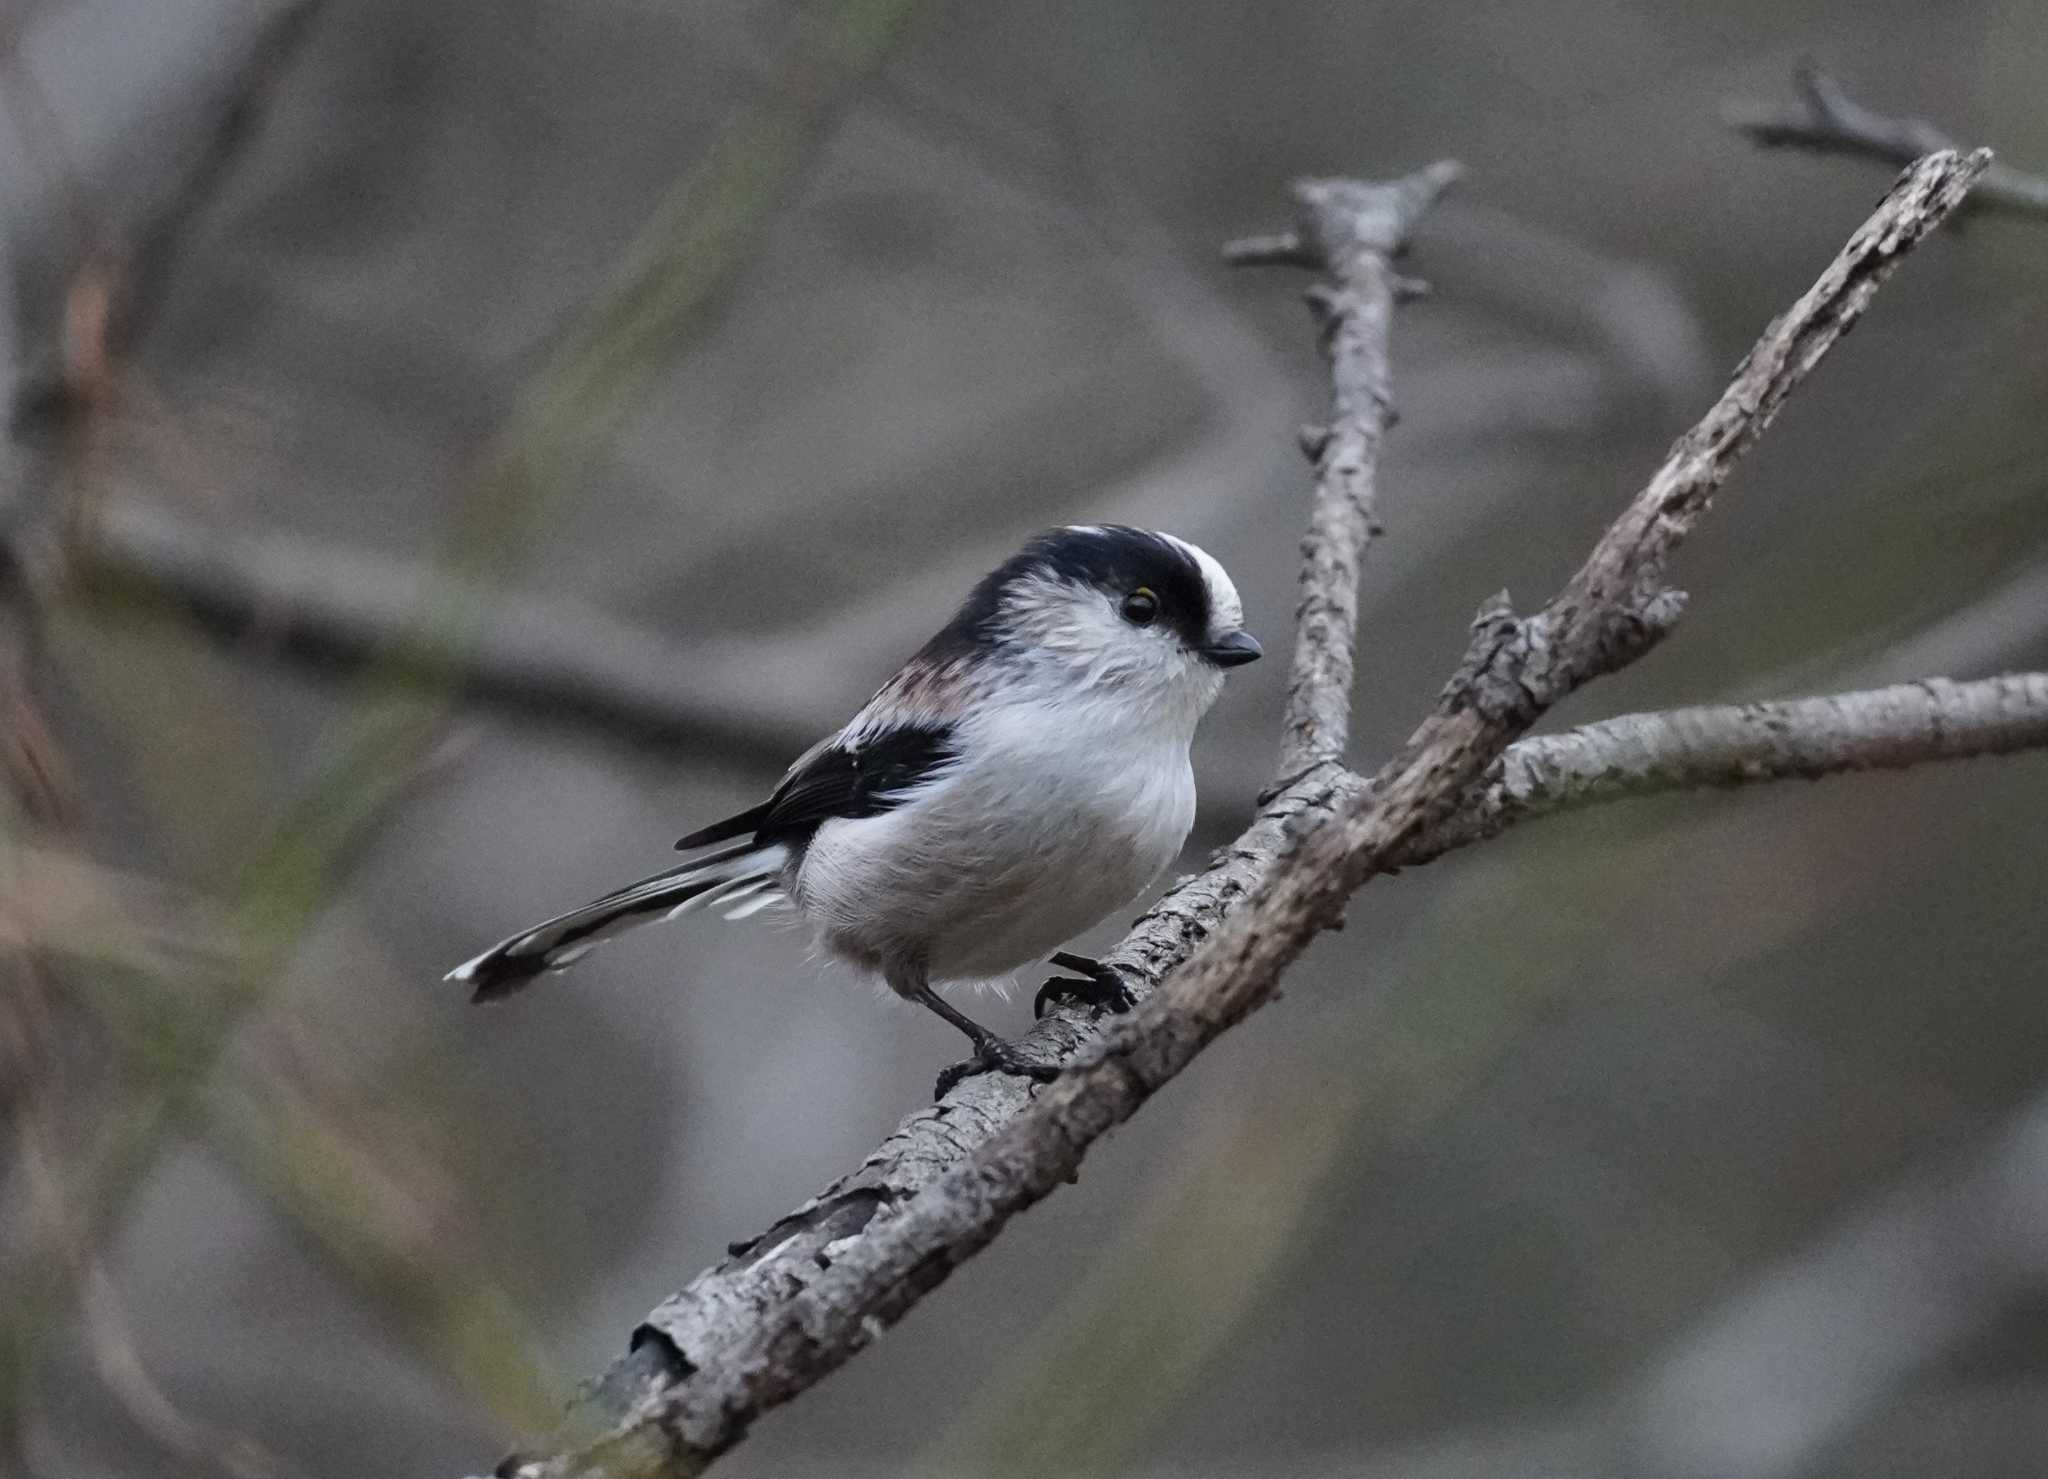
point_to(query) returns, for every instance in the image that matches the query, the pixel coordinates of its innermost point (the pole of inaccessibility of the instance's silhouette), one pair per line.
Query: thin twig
(1351, 233)
(61, 1226)
(41, 134)
(1824, 118)
(195, 1443)
(124, 286)
(793, 1304)
(160, 243)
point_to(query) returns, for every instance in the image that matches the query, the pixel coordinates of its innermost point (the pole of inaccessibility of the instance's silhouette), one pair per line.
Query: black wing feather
(862, 778)
(745, 823)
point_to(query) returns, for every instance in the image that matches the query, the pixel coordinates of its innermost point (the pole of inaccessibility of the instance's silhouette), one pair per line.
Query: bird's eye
(1141, 607)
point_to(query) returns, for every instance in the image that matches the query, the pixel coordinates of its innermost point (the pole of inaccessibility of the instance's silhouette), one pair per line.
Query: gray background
(1702, 1138)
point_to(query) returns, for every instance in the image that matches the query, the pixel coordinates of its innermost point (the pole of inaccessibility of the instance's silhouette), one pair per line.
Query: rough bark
(1728, 745)
(792, 1304)
(1351, 233)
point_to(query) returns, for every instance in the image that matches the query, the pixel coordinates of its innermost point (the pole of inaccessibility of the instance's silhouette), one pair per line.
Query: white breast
(1044, 829)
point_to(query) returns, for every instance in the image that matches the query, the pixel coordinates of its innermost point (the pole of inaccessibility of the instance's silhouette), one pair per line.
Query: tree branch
(1723, 746)
(1825, 119)
(791, 1305)
(1351, 232)
(330, 607)
(126, 286)
(160, 244)
(1730, 745)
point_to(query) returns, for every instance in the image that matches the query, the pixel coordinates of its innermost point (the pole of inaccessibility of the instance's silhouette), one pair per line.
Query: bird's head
(1107, 611)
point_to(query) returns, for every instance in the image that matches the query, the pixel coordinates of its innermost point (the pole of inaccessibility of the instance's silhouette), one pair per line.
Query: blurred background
(456, 448)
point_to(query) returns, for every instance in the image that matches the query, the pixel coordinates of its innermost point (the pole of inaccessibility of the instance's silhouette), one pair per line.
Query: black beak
(1233, 649)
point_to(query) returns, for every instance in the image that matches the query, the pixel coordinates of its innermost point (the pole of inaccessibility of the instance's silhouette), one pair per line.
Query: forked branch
(792, 1304)
(1823, 118)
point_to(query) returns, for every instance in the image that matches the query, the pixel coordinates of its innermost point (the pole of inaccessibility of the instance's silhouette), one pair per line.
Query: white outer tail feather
(747, 878)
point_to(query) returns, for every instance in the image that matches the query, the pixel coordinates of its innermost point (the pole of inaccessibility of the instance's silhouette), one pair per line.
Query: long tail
(747, 877)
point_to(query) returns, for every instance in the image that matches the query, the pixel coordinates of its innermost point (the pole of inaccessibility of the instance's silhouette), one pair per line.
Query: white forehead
(1226, 611)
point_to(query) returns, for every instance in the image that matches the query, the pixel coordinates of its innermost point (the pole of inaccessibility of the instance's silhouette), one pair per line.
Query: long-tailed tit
(1021, 777)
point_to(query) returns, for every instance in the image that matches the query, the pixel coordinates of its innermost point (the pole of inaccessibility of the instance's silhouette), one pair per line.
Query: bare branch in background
(59, 907)
(1825, 119)
(160, 244)
(117, 291)
(1785, 1365)
(694, 247)
(59, 1225)
(281, 595)
(197, 1444)
(28, 108)
(293, 597)
(284, 595)
(33, 768)
(1991, 631)
(794, 1303)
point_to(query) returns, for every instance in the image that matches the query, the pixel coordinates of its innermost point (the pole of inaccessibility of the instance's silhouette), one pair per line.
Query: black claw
(1063, 989)
(1102, 992)
(993, 1055)
(1273, 792)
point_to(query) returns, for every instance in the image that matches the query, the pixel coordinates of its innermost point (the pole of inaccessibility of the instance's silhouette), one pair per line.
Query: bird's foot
(1104, 990)
(993, 1055)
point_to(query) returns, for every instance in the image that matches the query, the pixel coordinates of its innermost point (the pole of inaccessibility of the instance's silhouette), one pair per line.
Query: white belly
(937, 885)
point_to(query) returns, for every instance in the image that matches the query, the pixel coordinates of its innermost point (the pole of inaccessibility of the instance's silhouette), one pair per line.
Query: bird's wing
(741, 825)
(858, 772)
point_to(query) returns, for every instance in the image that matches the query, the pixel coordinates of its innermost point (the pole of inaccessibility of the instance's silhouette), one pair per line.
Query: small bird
(1020, 778)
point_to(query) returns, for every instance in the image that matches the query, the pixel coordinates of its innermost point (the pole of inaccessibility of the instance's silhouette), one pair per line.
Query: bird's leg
(1103, 991)
(990, 1051)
